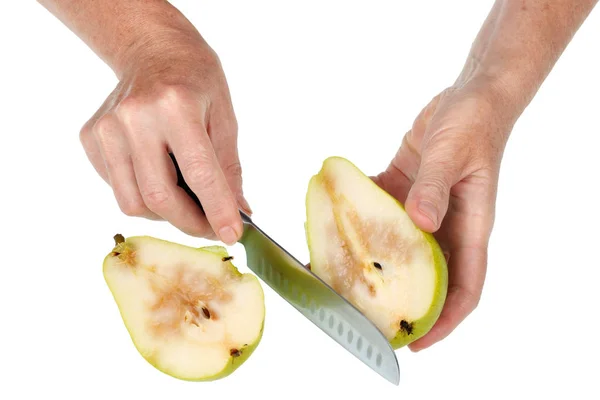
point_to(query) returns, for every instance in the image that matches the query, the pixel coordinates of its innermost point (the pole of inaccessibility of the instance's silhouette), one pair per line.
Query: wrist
(503, 88)
(162, 35)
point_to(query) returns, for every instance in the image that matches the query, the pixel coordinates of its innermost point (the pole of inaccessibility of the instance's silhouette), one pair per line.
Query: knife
(312, 297)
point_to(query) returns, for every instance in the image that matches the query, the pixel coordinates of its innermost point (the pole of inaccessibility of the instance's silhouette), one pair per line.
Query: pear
(189, 311)
(364, 245)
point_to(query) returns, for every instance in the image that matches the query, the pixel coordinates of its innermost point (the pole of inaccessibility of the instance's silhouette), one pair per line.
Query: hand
(446, 174)
(172, 97)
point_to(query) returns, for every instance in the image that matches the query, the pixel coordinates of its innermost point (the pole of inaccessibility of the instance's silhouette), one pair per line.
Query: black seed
(406, 327)
(377, 265)
(234, 353)
(227, 258)
(119, 238)
(206, 312)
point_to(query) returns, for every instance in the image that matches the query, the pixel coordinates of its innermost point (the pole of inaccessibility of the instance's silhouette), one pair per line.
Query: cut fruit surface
(365, 246)
(189, 311)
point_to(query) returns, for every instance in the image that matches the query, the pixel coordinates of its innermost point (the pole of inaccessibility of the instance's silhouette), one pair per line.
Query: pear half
(364, 245)
(189, 311)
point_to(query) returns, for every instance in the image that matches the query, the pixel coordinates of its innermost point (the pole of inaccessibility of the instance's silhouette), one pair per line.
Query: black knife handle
(182, 184)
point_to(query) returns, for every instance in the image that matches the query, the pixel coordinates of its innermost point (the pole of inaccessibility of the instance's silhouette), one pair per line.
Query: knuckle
(156, 196)
(234, 169)
(85, 136)
(199, 171)
(435, 186)
(128, 106)
(130, 110)
(202, 177)
(104, 128)
(173, 97)
(132, 207)
(172, 94)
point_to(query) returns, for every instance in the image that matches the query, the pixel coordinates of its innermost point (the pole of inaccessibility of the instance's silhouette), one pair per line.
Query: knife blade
(312, 297)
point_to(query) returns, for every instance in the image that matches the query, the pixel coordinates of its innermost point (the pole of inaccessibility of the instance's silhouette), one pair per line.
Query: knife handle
(182, 184)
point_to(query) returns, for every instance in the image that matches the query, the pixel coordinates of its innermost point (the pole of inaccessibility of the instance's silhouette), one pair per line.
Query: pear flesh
(364, 245)
(189, 311)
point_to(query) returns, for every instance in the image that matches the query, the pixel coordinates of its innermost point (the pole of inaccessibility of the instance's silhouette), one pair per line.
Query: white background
(308, 80)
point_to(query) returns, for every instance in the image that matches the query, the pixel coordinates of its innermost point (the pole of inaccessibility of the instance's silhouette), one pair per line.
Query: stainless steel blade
(318, 302)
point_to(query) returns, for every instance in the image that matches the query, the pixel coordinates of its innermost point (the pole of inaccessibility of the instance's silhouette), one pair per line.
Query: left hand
(446, 174)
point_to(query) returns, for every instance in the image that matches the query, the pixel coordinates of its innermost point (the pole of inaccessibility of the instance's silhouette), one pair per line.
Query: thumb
(428, 198)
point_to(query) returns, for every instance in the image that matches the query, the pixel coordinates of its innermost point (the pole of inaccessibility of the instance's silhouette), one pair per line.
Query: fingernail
(227, 235)
(429, 210)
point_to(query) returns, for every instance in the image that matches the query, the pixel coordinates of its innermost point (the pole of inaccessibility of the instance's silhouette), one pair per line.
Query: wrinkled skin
(446, 174)
(175, 101)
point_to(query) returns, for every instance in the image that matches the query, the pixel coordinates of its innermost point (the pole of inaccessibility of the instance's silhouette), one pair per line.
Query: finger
(466, 236)
(157, 182)
(88, 140)
(441, 167)
(114, 149)
(467, 270)
(90, 147)
(202, 172)
(396, 179)
(222, 130)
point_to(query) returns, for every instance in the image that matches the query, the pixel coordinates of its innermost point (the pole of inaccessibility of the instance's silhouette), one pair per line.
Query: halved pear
(189, 311)
(365, 246)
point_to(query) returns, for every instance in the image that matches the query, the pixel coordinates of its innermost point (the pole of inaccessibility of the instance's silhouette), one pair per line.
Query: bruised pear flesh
(365, 246)
(189, 311)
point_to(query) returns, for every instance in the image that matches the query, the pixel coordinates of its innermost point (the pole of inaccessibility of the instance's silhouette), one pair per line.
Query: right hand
(171, 98)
